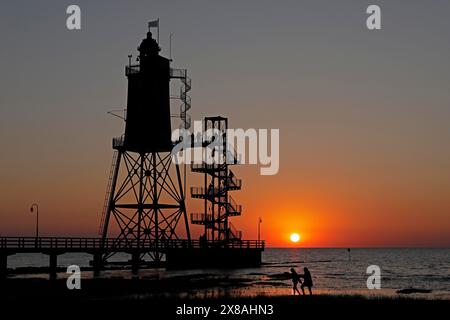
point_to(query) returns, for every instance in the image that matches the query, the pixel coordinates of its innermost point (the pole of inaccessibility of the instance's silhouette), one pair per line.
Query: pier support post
(53, 266)
(97, 263)
(135, 262)
(3, 266)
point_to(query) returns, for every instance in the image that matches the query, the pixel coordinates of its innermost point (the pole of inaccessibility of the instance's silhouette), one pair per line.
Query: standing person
(307, 281)
(295, 280)
(210, 189)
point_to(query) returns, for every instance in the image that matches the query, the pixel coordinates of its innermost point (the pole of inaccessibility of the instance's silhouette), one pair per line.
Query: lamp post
(35, 205)
(259, 228)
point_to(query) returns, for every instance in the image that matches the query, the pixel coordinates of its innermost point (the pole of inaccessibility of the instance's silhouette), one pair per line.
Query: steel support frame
(146, 203)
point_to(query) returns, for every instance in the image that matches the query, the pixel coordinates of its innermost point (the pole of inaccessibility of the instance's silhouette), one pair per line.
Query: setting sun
(295, 237)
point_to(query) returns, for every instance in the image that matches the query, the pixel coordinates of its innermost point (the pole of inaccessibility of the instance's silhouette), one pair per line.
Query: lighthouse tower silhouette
(145, 200)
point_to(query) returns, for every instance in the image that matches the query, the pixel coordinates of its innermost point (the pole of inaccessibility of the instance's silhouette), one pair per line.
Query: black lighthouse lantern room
(148, 126)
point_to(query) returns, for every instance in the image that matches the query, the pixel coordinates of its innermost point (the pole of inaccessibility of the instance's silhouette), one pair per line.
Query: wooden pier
(180, 254)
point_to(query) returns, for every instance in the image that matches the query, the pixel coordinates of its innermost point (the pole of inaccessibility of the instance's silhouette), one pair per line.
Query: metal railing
(49, 243)
(236, 234)
(132, 69)
(178, 73)
(118, 142)
(199, 218)
(109, 244)
(232, 182)
(206, 167)
(232, 207)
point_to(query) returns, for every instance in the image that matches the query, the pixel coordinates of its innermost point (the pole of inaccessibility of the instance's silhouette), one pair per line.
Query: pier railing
(31, 244)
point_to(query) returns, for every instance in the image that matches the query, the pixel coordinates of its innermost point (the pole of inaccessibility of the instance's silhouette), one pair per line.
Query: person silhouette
(148, 50)
(211, 189)
(307, 281)
(295, 280)
(148, 46)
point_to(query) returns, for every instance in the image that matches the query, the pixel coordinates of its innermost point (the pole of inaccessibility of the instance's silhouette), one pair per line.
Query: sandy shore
(116, 297)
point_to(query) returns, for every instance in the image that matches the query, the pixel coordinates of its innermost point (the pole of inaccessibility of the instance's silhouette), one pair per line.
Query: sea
(335, 272)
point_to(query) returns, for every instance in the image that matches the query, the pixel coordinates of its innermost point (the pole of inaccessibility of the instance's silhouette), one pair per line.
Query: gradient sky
(363, 115)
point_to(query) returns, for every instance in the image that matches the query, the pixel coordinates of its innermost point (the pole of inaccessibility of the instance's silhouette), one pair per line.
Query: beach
(117, 297)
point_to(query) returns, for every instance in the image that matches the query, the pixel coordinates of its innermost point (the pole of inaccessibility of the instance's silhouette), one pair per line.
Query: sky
(363, 115)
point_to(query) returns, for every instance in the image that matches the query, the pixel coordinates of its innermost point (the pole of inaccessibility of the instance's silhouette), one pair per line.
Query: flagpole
(170, 46)
(158, 30)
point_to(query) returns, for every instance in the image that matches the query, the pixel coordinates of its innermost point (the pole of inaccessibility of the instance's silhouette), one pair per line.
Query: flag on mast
(153, 24)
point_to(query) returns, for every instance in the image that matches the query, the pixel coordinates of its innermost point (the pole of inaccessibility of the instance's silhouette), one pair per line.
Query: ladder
(108, 191)
(186, 106)
(234, 233)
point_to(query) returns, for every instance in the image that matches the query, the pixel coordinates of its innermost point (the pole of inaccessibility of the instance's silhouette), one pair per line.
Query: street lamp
(35, 205)
(259, 229)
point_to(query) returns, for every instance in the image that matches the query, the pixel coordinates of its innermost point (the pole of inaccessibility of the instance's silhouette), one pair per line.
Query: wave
(296, 262)
(271, 283)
